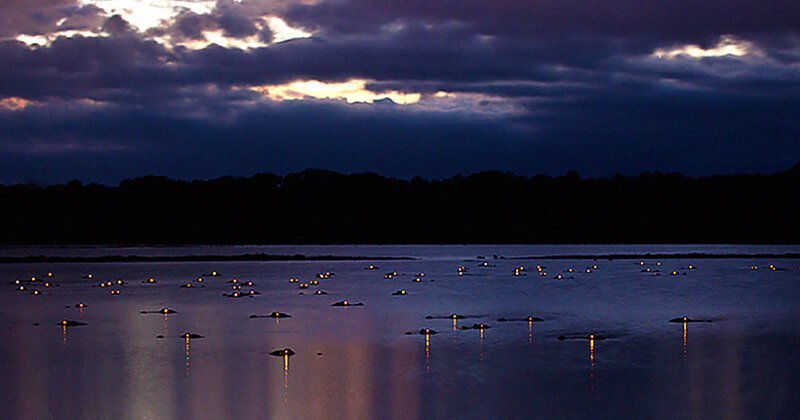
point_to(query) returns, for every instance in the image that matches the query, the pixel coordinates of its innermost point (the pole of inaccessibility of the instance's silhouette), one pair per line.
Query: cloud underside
(204, 88)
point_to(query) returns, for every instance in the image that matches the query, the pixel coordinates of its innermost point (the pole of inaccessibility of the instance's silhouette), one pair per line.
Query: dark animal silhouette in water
(595, 337)
(71, 323)
(423, 331)
(188, 335)
(480, 326)
(272, 315)
(347, 303)
(526, 319)
(163, 311)
(237, 295)
(687, 319)
(451, 316)
(282, 352)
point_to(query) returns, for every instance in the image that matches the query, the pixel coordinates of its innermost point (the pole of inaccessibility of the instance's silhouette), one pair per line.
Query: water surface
(357, 362)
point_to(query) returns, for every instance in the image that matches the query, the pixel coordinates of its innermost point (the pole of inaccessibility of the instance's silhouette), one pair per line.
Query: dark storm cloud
(37, 17)
(580, 88)
(116, 25)
(601, 136)
(679, 20)
(280, 137)
(233, 19)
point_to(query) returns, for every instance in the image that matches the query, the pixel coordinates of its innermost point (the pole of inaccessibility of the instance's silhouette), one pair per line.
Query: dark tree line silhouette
(316, 206)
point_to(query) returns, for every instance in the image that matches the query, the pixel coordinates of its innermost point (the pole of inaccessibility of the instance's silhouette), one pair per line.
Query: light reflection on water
(356, 362)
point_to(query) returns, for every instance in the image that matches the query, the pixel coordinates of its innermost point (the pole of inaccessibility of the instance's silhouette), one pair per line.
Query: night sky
(102, 90)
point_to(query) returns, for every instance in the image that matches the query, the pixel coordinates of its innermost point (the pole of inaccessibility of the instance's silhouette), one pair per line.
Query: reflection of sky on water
(744, 364)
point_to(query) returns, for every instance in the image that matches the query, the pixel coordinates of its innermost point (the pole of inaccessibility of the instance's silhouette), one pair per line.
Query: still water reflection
(357, 362)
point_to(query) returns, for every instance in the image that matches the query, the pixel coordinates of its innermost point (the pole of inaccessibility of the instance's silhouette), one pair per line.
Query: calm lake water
(358, 362)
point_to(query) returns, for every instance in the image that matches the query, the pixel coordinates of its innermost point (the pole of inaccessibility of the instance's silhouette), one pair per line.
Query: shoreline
(191, 258)
(36, 259)
(664, 256)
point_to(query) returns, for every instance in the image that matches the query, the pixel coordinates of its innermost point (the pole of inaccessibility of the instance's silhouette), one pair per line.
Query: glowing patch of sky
(14, 103)
(219, 38)
(280, 30)
(146, 14)
(283, 32)
(44, 40)
(727, 46)
(350, 91)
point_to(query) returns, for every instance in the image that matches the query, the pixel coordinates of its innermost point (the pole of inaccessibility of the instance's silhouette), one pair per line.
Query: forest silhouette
(324, 207)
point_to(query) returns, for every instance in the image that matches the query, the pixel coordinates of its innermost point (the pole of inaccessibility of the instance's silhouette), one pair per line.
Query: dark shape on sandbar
(480, 326)
(427, 331)
(347, 303)
(451, 316)
(81, 305)
(188, 335)
(70, 323)
(687, 319)
(582, 337)
(526, 319)
(272, 315)
(320, 292)
(401, 292)
(159, 336)
(163, 311)
(282, 352)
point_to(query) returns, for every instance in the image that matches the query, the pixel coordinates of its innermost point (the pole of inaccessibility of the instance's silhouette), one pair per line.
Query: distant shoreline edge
(34, 259)
(190, 258)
